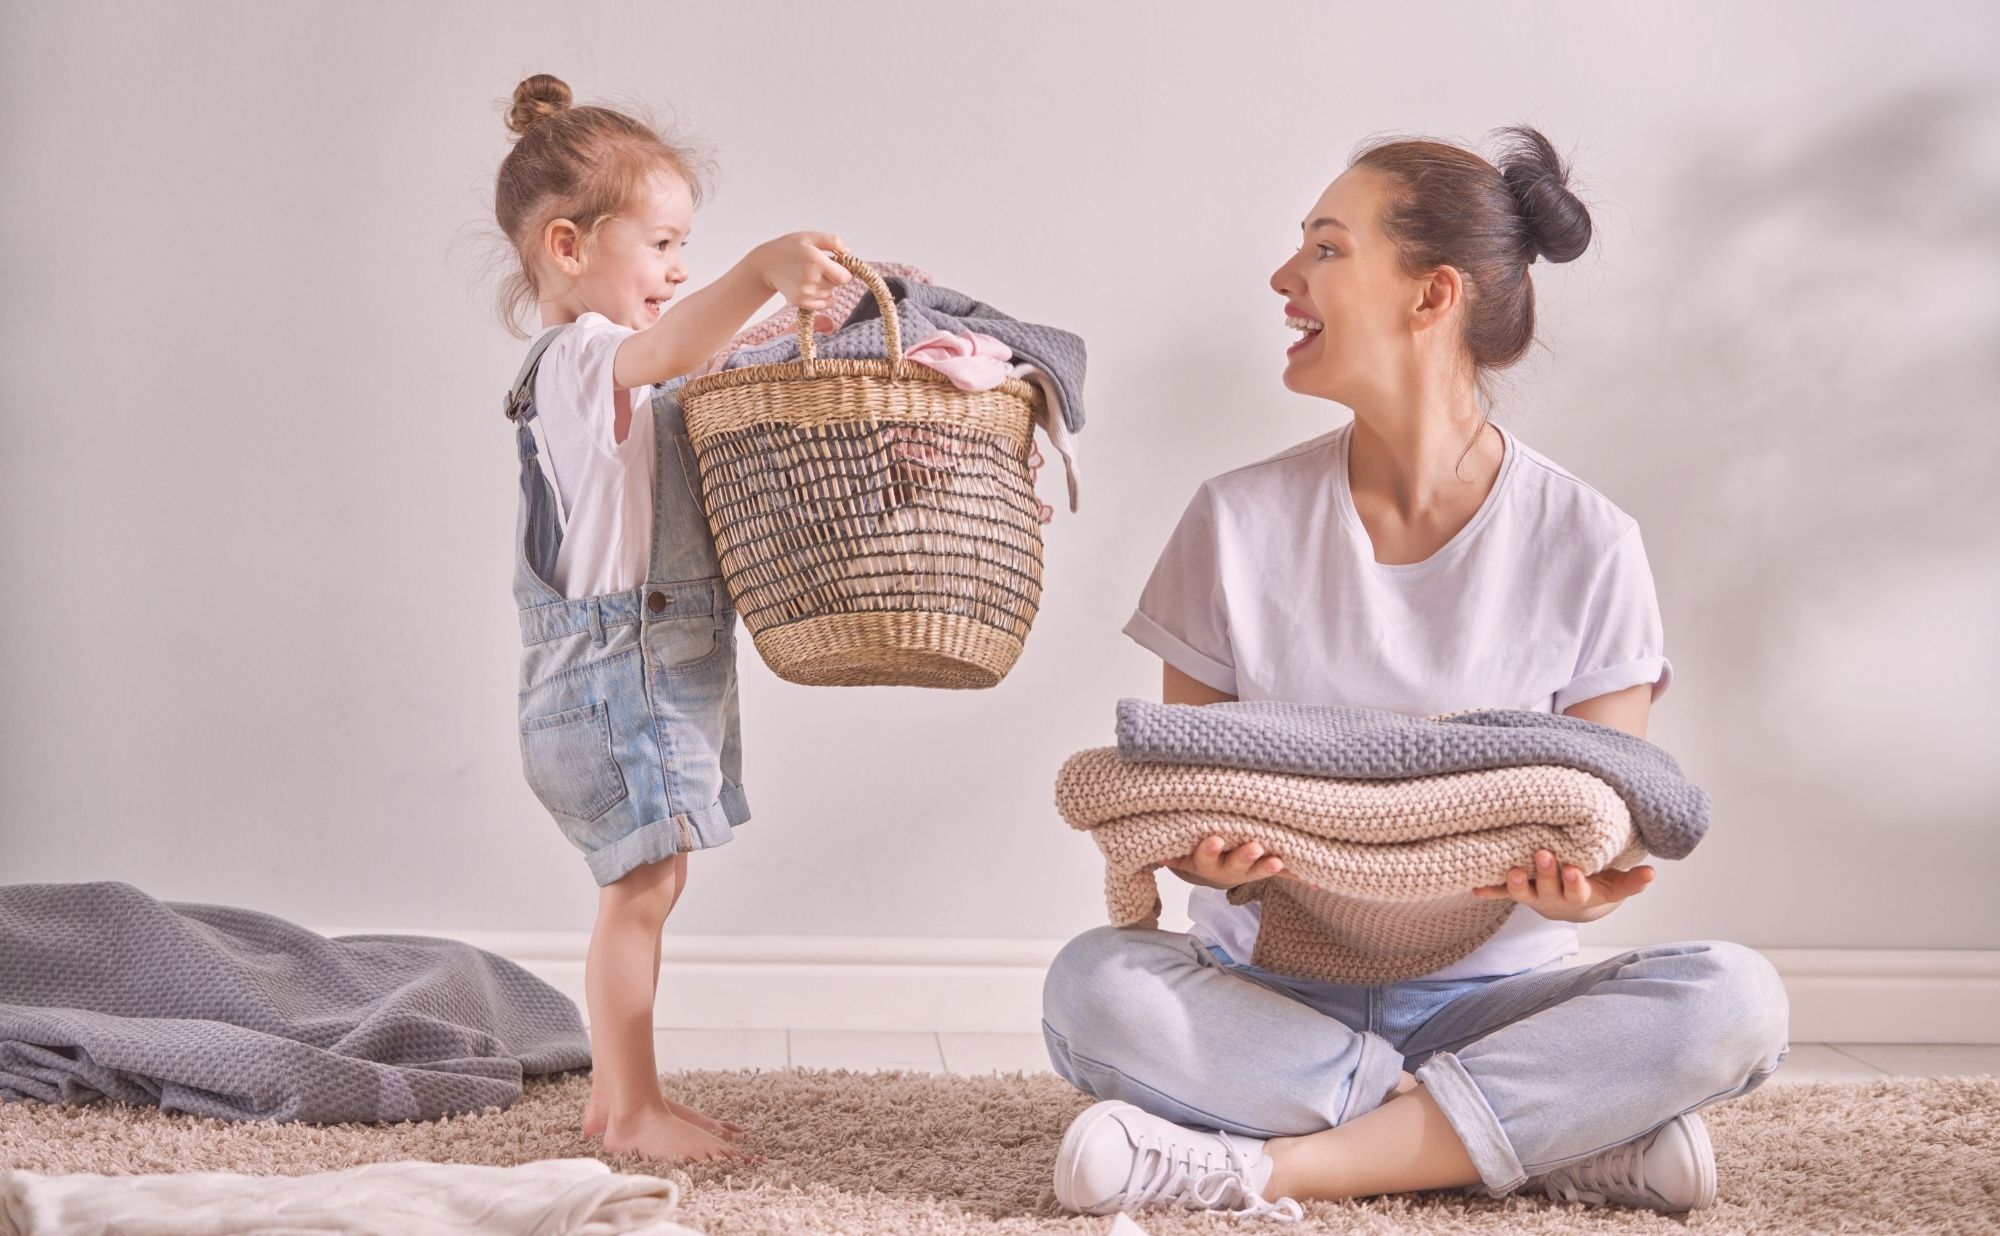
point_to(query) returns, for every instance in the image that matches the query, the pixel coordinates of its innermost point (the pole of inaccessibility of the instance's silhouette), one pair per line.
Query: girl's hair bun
(1558, 223)
(535, 100)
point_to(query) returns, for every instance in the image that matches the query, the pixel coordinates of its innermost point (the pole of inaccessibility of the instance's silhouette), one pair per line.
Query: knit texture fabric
(1394, 861)
(240, 1015)
(1670, 812)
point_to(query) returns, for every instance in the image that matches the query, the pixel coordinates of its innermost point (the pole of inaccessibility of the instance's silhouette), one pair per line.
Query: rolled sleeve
(1623, 642)
(1182, 615)
(1180, 654)
(1655, 670)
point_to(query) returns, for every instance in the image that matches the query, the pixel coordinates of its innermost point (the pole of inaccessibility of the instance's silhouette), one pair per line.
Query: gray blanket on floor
(225, 1012)
(1319, 740)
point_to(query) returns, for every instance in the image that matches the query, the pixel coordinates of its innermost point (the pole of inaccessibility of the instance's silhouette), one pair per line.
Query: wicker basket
(875, 524)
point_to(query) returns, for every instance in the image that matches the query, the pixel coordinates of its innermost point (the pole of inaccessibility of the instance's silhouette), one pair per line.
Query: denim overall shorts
(629, 724)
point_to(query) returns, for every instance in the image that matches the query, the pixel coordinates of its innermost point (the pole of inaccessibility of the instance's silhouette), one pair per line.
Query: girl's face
(1345, 292)
(631, 266)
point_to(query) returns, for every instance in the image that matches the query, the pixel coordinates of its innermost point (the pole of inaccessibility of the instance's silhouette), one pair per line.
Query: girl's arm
(795, 266)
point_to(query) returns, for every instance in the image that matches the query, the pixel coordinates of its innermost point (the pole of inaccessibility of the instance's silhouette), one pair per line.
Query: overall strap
(521, 396)
(519, 405)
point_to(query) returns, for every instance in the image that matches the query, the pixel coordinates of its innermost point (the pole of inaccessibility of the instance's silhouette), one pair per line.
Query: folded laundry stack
(1387, 821)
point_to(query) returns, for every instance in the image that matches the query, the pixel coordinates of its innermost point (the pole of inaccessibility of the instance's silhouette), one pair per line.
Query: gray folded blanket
(231, 1013)
(1670, 812)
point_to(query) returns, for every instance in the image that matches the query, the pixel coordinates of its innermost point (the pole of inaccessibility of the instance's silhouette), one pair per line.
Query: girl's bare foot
(596, 1115)
(653, 1132)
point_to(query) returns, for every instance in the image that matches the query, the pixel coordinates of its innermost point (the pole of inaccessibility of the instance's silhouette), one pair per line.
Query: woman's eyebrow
(1324, 221)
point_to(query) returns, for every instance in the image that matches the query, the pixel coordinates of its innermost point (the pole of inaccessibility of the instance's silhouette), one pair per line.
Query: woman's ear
(562, 246)
(1437, 295)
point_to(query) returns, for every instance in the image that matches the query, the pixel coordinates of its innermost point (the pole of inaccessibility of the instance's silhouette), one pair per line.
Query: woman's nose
(1281, 277)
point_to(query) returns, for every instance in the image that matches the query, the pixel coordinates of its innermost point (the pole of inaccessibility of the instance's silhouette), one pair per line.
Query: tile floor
(985, 1053)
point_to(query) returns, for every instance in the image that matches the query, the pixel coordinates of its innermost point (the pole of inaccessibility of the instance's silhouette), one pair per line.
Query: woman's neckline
(1352, 517)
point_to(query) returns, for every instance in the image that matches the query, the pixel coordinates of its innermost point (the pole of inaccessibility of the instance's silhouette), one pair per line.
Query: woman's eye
(1327, 251)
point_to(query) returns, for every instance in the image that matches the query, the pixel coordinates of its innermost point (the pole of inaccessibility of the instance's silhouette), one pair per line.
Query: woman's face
(1345, 292)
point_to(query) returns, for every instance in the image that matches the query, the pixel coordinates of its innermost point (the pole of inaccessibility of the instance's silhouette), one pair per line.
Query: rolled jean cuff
(1458, 1097)
(1375, 1075)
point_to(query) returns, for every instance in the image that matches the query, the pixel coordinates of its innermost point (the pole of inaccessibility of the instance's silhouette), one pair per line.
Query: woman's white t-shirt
(605, 486)
(1269, 590)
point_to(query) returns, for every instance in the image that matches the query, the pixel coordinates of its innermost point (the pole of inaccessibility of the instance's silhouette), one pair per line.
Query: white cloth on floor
(551, 1197)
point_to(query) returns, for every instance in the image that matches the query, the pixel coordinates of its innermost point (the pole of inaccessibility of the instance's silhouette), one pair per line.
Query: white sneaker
(1670, 1169)
(1119, 1157)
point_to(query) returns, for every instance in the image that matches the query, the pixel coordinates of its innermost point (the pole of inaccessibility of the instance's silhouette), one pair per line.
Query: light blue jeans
(1534, 1070)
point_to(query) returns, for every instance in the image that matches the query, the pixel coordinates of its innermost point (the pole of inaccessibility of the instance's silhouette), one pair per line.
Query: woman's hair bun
(1557, 222)
(535, 100)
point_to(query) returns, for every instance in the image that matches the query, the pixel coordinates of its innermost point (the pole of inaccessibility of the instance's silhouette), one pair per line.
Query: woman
(1423, 560)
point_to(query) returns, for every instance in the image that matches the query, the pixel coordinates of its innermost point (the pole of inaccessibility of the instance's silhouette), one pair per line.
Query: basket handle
(892, 330)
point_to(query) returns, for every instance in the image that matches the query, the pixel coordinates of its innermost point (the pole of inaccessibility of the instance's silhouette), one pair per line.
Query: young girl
(628, 713)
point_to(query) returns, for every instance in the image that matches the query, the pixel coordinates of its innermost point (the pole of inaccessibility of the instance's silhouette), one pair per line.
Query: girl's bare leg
(1403, 1146)
(595, 1112)
(619, 989)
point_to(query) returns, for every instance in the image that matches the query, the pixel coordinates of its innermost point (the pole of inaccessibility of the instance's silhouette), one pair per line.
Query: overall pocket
(683, 643)
(569, 764)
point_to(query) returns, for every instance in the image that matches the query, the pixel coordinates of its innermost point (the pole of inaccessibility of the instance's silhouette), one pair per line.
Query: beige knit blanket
(1394, 861)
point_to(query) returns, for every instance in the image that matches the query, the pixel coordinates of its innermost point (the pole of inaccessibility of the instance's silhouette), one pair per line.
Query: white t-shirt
(605, 486)
(1269, 590)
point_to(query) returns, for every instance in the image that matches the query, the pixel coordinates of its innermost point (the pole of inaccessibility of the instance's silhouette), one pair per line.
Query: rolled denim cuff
(1375, 1075)
(1458, 1097)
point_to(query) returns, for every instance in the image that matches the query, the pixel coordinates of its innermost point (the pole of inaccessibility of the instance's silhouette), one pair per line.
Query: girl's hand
(1568, 895)
(797, 268)
(1214, 865)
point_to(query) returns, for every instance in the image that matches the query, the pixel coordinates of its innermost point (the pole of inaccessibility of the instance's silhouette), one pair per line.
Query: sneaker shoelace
(1163, 1173)
(1619, 1170)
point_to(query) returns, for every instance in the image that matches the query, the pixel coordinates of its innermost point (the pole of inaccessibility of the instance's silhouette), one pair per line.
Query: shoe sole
(1079, 1129)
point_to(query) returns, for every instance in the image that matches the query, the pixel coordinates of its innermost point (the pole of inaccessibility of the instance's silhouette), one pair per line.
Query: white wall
(258, 642)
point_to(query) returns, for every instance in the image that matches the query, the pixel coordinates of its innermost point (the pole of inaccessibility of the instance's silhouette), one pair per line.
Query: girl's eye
(1327, 251)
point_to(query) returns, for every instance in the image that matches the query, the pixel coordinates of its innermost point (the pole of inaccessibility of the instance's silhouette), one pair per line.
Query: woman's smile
(1301, 321)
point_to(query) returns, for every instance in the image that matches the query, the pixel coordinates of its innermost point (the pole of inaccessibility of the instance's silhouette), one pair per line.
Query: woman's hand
(1214, 864)
(1568, 895)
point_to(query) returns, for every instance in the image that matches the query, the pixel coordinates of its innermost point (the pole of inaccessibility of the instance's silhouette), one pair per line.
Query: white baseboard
(995, 985)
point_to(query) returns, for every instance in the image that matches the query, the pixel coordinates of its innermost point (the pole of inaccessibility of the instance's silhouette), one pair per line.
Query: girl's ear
(562, 246)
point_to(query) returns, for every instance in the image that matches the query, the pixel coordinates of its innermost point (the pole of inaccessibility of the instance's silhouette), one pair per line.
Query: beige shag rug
(896, 1153)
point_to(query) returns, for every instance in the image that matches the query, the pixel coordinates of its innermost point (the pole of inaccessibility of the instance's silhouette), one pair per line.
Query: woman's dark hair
(1447, 206)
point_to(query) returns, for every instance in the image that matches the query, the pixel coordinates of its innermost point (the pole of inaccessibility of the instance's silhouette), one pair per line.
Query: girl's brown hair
(584, 164)
(1447, 206)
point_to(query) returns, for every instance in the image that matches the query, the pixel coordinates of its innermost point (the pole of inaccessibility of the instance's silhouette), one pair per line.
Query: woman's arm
(1178, 688)
(1621, 710)
(1214, 863)
(1568, 893)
